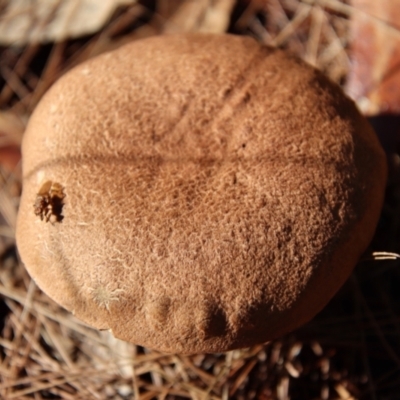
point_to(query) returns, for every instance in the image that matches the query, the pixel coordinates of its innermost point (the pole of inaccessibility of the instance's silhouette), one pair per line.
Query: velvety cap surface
(196, 193)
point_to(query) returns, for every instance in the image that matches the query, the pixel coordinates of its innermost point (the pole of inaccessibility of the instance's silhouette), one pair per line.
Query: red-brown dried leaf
(11, 130)
(374, 77)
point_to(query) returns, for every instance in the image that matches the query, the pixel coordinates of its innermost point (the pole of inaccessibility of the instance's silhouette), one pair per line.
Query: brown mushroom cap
(215, 193)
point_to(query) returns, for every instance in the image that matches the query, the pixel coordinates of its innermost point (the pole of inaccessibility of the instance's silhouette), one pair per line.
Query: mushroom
(197, 193)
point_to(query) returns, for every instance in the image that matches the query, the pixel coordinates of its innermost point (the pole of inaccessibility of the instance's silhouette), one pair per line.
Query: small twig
(381, 255)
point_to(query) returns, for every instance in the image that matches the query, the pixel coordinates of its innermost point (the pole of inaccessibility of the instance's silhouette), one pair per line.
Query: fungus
(216, 193)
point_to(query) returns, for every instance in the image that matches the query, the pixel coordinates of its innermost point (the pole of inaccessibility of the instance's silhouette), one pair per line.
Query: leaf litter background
(351, 350)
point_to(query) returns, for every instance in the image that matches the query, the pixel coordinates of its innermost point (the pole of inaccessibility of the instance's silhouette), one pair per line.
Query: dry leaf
(11, 130)
(201, 16)
(374, 78)
(10, 156)
(40, 21)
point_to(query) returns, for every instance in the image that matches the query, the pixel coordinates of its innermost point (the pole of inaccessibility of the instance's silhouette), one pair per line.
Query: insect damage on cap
(49, 202)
